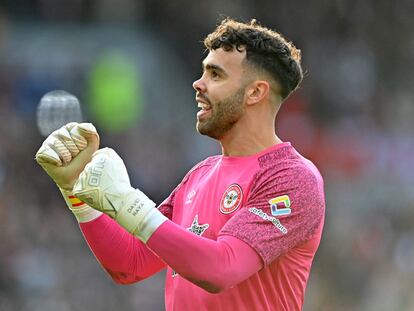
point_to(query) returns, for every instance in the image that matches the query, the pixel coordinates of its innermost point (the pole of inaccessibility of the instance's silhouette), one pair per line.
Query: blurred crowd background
(132, 62)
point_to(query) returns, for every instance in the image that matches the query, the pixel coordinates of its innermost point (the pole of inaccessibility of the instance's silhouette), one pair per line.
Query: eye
(214, 74)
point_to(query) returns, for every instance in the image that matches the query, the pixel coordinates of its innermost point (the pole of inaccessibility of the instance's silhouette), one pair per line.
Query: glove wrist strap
(139, 215)
(82, 211)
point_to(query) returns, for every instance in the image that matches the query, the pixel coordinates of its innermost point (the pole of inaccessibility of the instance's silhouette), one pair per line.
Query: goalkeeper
(241, 230)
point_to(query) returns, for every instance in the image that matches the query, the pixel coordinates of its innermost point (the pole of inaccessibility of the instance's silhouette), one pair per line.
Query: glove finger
(64, 136)
(63, 152)
(82, 134)
(54, 143)
(77, 138)
(69, 126)
(46, 154)
(87, 140)
(87, 130)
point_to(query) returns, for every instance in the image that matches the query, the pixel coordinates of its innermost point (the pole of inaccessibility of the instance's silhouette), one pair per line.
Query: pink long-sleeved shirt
(245, 229)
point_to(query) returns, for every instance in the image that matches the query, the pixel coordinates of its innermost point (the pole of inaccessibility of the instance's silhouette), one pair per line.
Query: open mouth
(205, 110)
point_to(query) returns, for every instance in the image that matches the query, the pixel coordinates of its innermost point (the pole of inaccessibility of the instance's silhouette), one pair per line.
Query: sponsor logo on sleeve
(280, 206)
(272, 219)
(231, 199)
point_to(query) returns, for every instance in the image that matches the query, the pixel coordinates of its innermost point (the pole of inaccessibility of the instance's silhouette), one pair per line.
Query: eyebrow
(213, 67)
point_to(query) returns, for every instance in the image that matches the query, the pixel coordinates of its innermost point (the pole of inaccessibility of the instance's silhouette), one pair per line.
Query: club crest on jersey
(231, 199)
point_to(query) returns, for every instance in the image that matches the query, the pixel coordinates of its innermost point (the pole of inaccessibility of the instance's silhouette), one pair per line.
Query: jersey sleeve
(124, 257)
(284, 209)
(167, 206)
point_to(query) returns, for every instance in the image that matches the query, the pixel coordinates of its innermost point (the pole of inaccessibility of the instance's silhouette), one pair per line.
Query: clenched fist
(65, 152)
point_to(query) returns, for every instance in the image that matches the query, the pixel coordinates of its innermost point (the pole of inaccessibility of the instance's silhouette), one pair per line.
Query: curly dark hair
(266, 49)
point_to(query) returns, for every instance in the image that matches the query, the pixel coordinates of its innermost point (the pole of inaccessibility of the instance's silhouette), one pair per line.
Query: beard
(224, 115)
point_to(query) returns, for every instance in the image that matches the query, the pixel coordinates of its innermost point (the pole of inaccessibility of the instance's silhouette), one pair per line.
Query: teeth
(203, 106)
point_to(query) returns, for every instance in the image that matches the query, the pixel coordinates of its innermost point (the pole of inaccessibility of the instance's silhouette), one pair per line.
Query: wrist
(82, 211)
(139, 216)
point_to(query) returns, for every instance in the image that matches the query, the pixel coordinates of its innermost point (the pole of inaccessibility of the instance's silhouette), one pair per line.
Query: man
(241, 229)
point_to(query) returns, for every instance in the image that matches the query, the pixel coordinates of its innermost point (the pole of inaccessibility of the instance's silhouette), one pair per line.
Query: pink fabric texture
(220, 264)
(272, 201)
(247, 226)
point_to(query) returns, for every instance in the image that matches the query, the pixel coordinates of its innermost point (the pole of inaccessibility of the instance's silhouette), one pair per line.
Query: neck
(249, 138)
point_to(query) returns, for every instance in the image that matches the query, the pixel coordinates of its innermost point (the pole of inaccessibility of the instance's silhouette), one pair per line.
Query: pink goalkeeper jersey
(273, 201)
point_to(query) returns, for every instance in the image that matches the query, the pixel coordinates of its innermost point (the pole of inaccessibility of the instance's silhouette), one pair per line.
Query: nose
(199, 85)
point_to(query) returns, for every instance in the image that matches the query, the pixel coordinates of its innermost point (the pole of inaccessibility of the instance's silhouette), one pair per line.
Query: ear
(257, 91)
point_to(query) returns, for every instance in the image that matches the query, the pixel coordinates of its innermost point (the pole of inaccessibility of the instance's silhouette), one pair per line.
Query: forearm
(122, 255)
(212, 265)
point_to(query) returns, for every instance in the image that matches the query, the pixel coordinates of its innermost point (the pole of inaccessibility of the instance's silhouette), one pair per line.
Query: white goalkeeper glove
(60, 154)
(104, 184)
(63, 155)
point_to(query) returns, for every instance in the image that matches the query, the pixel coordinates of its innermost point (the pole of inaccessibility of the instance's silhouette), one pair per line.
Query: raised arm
(123, 256)
(212, 265)
(63, 155)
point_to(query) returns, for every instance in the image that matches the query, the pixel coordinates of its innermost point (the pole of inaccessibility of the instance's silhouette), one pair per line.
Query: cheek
(219, 92)
(213, 95)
